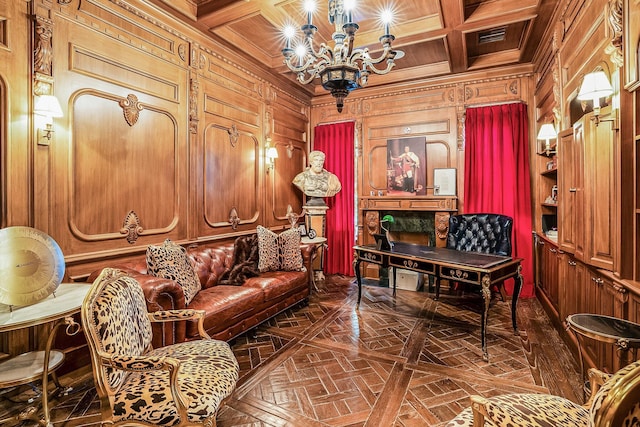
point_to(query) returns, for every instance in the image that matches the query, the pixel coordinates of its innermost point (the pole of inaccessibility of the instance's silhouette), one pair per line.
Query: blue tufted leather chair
(480, 232)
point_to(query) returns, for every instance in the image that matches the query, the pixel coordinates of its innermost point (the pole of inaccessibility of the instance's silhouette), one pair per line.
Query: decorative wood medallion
(233, 135)
(131, 109)
(131, 227)
(234, 219)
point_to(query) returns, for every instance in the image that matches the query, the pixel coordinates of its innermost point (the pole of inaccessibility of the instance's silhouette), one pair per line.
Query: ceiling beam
(215, 6)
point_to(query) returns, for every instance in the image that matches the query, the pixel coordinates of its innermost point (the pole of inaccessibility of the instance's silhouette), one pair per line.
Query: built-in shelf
(550, 205)
(549, 171)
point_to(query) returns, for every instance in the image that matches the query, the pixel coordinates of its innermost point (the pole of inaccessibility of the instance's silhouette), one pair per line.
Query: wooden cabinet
(587, 195)
(573, 274)
(547, 269)
(600, 225)
(603, 296)
(571, 190)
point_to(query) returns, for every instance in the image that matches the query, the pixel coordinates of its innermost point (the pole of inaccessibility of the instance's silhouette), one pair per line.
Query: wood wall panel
(106, 188)
(231, 178)
(497, 91)
(226, 105)
(292, 158)
(139, 78)
(120, 164)
(290, 126)
(437, 126)
(102, 164)
(411, 101)
(16, 183)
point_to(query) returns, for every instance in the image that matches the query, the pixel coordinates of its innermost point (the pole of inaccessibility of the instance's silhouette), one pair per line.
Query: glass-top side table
(57, 309)
(623, 333)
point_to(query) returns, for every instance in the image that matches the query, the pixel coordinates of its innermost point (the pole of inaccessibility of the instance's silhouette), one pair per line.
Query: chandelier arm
(385, 55)
(301, 79)
(390, 65)
(298, 68)
(322, 52)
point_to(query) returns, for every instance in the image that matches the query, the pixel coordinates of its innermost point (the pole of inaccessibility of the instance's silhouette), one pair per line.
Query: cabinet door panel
(570, 190)
(600, 192)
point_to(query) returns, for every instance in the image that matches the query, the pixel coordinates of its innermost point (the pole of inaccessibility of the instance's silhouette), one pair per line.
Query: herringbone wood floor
(394, 361)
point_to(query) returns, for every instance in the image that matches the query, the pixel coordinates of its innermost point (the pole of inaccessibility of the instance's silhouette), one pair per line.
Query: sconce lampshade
(272, 153)
(47, 105)
(547, 131)
(595, 86)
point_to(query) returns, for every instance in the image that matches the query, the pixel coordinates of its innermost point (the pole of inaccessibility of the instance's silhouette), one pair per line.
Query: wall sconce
(595, 86)
(48, 107)
(546, 133)
(271, 154)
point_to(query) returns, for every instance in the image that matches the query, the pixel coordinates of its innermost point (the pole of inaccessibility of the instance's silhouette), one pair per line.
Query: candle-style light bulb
(288, 32)
(386, 16)
(310, 7)
(349, 6)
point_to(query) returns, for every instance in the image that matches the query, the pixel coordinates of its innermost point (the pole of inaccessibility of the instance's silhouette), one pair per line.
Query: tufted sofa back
(480, 232)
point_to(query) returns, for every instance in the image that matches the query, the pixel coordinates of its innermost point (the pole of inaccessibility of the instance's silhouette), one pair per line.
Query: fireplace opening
(412, 226)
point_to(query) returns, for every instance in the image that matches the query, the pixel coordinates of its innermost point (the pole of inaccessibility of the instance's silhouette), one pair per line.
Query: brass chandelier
(343, 68)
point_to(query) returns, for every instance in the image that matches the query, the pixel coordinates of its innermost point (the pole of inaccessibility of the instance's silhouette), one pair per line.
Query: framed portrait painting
(406, 167)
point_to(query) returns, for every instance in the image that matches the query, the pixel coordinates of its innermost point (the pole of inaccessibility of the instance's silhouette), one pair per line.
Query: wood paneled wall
(433, 109)
(163, 135)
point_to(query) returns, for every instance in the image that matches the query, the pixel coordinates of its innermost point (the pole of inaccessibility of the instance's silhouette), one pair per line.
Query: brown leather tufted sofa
(229, 310)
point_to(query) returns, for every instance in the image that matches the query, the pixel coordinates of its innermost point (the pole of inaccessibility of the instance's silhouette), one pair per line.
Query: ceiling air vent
(492, 35)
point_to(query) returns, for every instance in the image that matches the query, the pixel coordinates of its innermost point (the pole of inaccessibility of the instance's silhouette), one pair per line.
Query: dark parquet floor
(396, 361)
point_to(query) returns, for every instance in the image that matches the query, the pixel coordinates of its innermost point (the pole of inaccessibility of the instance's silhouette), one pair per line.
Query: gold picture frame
(631, 44)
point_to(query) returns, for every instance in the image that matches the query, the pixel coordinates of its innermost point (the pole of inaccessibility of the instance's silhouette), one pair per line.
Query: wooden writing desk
(475, 268)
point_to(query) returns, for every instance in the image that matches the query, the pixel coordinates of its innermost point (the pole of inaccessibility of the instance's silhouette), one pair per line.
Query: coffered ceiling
(439, 37)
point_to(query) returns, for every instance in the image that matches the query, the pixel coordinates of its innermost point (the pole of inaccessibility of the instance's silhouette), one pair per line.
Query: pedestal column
(316, 217)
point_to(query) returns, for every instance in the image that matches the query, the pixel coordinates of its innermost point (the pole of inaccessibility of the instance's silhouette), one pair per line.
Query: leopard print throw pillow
(279, 251)
(170, 261)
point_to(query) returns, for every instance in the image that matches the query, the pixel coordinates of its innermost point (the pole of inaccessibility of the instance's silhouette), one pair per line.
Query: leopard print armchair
(178, 385)
(614, 402)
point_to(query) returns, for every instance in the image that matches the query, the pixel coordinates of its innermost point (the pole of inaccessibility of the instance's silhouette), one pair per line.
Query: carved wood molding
(131, 108)
(233, 135)
(614, 48)
(234, 219)
(131, 227)
(372, 222)
(442, 224)
(194, 90)
(43, 51)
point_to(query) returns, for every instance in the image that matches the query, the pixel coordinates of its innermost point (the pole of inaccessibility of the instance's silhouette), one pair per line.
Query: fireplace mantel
(371, 207)
(435, 204)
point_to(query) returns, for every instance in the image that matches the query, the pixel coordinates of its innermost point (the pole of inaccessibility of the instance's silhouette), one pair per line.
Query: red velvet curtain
(497, 178)
(336, 141)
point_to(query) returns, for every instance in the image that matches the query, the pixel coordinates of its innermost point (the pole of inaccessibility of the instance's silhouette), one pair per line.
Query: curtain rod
(493, 104)
(333, 123)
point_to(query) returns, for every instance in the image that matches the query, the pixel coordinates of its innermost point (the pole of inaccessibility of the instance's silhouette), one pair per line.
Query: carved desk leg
(356, 268)
(514, 300)
(486, 297)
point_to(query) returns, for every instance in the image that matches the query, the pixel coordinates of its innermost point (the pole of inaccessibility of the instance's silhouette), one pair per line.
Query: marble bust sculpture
(315, 181)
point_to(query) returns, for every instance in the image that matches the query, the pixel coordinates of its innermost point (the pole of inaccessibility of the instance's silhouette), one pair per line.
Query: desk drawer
(371, 257)
(460, 275)
(410, 264)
